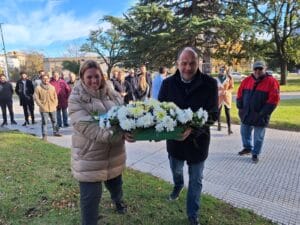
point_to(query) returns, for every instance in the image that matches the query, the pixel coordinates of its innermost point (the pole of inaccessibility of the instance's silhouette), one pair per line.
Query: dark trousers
(227, 114)
(62, 119)
(90, 195)
(9, 105)
(28, 107)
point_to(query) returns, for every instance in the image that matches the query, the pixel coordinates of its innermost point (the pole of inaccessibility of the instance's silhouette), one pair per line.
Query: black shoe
(66, 125)
(33, 122)
(175, 194)
(194, 221)
(13, 122)
(121, 207)
(245, 152)
(25, 123)
(4, 124)
(57, 134)
(255, 159)
(219, 127)
(230, 131)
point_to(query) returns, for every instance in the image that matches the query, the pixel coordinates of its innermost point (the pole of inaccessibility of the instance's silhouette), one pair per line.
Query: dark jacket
(6, 91)
(124, 87)
(149, 82)
(201, 92)
(257, 99)
(27, 97)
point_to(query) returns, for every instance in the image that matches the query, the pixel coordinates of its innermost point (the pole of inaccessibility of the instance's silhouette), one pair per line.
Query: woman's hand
(185, 134)
(128, 137)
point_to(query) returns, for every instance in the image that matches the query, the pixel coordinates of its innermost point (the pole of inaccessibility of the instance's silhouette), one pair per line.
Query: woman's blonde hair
(143, 82)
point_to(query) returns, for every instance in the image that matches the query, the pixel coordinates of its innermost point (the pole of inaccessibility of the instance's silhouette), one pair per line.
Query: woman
(225, 87)
(142, 92)
(97, 154)
(123, 87)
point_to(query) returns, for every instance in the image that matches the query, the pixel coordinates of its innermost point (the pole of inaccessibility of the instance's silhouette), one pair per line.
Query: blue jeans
(259, 134)
(195, 183)
(90, 195)
(52, 116)
(64, 113)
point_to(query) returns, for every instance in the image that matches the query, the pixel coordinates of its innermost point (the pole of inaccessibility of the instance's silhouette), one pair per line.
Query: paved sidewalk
(270, 188)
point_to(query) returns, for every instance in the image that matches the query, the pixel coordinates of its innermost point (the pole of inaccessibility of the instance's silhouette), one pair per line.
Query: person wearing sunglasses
(257, 97)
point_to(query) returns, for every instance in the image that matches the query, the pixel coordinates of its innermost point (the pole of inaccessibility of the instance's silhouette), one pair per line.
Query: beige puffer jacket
(97, 154)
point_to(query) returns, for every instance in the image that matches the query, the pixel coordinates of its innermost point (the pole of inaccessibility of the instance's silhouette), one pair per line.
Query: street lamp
(5, 56)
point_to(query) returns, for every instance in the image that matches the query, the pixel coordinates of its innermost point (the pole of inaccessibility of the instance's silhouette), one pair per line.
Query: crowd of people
(98, 154)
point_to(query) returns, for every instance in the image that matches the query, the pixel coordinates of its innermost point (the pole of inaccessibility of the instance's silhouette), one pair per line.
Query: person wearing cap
(257, 97)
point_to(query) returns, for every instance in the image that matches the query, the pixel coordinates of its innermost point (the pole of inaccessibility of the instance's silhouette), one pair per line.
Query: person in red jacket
(258, 96)
(63, 91)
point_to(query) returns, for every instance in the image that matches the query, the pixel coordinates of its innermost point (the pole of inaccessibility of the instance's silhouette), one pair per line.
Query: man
(258, 96)
(63, 91)
(46, 98)
(132, 79)
(25, 91)
(188, 87)
(6, 100)
(38, 81)
(157, 81)
(143, 72)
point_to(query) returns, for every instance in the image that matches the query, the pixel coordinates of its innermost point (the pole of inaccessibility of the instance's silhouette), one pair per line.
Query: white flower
(185, 115)
(127, 124)
(168, 123)
(202, 114)
(145, 121)
(122, 113)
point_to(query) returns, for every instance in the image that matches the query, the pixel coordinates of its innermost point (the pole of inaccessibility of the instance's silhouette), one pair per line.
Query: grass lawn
(285, 117)
(38, 189)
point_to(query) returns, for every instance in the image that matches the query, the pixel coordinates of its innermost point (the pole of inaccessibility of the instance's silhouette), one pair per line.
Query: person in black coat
(25, 91)
(6, 93)
(189, 88)
(123, 87)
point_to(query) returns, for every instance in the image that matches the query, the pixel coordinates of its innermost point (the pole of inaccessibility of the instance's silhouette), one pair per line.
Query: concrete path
(270, 188)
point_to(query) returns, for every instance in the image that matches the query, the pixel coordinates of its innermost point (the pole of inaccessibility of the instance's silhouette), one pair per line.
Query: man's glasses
(258, 68)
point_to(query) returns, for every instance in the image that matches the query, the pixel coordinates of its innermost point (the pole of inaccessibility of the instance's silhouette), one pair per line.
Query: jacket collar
(195, 83)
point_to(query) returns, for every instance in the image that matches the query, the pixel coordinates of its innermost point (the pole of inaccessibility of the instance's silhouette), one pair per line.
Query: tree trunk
(283, 72)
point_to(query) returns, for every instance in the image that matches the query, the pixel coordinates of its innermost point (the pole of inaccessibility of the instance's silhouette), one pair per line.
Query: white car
(275, 75)
(237, 76)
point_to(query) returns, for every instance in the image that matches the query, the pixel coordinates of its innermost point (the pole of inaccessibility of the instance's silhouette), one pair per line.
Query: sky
(51, 27)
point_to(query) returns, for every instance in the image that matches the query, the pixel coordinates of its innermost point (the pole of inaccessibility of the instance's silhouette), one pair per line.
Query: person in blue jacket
(157, 81)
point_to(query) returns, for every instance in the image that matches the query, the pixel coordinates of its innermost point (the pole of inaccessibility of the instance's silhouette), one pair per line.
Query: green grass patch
(37, 188)
(285, 117)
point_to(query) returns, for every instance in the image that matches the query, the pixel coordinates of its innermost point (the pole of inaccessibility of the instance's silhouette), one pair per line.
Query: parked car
(237, 76)
(275, 75)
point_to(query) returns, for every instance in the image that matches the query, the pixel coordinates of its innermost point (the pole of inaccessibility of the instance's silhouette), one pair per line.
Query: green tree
(281, 19)
(72, 66)
(147, 35)
(107, 44)
(33, 63)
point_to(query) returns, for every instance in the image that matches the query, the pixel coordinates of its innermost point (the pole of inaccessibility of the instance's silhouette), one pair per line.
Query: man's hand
(185, 134)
